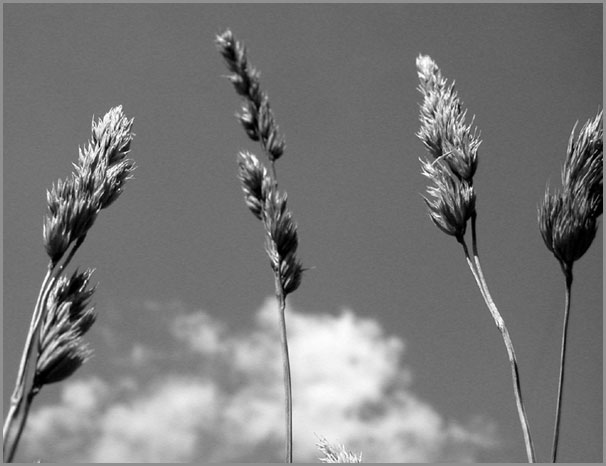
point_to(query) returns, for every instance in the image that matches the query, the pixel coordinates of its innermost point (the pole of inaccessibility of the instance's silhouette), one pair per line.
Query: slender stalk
(287, 382)
(285, 357)
(471, 265)
(500, 323)
(264, 202)
(19, 390)
(52, 273)
(556, 429)
(286, 370)
(36, 319)
(26, 406)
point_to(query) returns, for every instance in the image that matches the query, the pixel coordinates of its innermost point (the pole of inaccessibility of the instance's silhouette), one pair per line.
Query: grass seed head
(60, 361)
(443, 129)
(582, 173)
(256, 116)
(336, 453)
(567, 225)
(68, 316)
(100, 173)
(71, 213)
(568, 219)
(103, 167)
(453, 145)
(281, 240)
(270, 206)
(451, 201)
(253, 176)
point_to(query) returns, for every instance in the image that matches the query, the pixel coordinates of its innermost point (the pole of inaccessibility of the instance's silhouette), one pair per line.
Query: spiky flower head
(270, 206)
(256, 115)
(255, 180)
(71, 213)
(451, 201)
(453, 146)
(567, 226)
(68, 316)
(100, 173)
(102, 166)
(568, 219)
(336, 453)
(443, 129)
(582, 173)
(281, 240)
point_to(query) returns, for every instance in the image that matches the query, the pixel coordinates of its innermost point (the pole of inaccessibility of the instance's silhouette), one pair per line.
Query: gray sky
(180, 242)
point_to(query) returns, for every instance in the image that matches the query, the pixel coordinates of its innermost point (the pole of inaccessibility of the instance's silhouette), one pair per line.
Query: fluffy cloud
(223, 402)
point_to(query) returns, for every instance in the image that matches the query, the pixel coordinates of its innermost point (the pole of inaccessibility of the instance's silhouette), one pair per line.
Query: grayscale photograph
(302, 232)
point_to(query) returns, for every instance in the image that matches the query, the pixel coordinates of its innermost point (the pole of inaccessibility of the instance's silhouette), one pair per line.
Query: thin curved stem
(284, 341)
(26, 406)
(19, 390)
(286, 368)
(472, 267)
(556, 429)
(36, 319)
(52, 273)
(500, 323)
(287, 381)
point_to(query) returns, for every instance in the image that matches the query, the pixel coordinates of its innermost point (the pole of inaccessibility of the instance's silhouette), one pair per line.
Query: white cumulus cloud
(224, 401)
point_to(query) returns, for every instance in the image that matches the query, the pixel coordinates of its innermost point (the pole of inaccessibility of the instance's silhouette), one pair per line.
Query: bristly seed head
(71, 215)
(269, 205)
(260, 191)
(453, 145)
(253, 176)
(100, 174)
(582, 173)
(68, 316)
(257, 117)
(443, 129)
(281, 240)
(452, 201)
(103, 167)
(568, 219)
(336, 453)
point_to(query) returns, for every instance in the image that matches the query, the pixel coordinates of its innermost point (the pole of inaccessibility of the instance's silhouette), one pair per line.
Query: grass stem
(280, 296)
(9, 446)
(286, 370)
(26, 406)
(556, 428)
(52, 273)
(500, 323)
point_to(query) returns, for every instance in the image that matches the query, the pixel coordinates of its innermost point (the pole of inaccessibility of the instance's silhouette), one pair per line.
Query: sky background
(393, 350)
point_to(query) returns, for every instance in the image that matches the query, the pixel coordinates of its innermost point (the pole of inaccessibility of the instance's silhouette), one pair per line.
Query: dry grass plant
(62, 313)
(262, 196)
(568, 222)
(453, 145)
